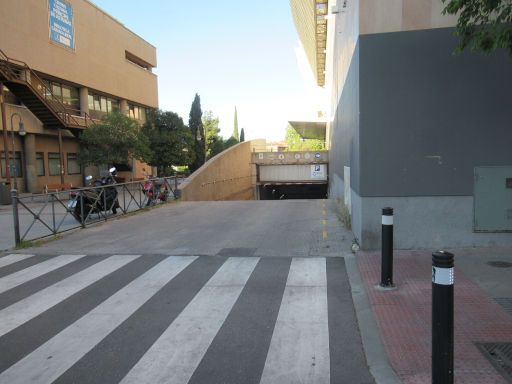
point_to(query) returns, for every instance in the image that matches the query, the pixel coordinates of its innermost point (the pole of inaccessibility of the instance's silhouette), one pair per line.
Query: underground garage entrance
(285, 191)
(291, 175)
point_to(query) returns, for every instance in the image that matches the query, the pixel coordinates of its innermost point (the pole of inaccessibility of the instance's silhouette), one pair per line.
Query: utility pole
(6, 137)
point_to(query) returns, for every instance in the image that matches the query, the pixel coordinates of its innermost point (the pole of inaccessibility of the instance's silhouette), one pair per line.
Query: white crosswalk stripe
(175, 355)
(13, 258)
(296, 349)
(54, 357)
(24, 310)
(27, 274)
(299, 350)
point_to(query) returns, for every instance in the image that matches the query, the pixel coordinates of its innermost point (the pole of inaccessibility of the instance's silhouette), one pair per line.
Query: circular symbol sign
(317, 155)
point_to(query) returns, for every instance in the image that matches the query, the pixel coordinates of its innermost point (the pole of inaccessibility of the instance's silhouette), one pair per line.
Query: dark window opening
(40, 164)
(138, 61)
(14, 164)
(74, 167)
(54, 163)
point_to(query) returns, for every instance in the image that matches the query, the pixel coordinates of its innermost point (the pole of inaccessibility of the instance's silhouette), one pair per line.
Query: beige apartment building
(63, 65)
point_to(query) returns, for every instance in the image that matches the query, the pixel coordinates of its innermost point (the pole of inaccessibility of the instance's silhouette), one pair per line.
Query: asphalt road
(264, 228)
(214, 292)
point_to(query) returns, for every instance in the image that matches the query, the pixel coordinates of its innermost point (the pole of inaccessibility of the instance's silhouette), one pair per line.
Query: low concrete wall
(227, 176)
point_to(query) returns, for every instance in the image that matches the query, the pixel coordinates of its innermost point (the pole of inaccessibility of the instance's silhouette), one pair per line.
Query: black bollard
(442, 318)
(386, 271)
(16, 219)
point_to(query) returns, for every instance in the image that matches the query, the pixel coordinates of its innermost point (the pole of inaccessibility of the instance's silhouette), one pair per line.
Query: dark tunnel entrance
(292, 191)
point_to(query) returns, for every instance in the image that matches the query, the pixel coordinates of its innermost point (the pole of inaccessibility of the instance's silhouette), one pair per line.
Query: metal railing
(17, 70)
(38, 216)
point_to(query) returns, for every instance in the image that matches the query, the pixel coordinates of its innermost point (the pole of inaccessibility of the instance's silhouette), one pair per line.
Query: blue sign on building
(61, 23)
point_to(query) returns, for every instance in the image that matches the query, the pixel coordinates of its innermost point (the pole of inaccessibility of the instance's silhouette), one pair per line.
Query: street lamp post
(22, 132)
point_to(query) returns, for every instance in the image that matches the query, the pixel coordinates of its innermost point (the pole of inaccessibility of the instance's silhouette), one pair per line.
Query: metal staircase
(28, 87)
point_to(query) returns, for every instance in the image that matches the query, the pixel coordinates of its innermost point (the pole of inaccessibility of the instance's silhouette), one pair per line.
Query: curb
(376, 357)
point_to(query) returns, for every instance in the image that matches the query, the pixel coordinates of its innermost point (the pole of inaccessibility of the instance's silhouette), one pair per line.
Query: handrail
(58, 107)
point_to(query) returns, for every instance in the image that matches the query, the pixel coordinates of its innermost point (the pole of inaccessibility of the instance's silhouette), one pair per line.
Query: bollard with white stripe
(442, 317)
(386, 271)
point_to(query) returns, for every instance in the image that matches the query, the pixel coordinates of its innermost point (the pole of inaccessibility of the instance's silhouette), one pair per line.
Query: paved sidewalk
(403, 316)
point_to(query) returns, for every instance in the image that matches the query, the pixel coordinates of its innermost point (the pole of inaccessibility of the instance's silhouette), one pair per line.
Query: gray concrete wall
(344, 147)
(412, 122)
(433, 222)
(428, 117)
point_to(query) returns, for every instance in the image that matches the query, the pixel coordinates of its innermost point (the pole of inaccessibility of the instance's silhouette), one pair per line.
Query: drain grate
(237, 252)
(499, 264)
(505, 302)
(500, 356)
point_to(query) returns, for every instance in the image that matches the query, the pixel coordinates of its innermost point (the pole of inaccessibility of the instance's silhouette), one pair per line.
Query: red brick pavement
(404, 319)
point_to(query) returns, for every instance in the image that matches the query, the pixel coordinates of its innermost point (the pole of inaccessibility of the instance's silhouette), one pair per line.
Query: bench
(57, 187)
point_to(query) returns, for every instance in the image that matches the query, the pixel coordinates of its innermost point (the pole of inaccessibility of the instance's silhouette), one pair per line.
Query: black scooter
(95, 199)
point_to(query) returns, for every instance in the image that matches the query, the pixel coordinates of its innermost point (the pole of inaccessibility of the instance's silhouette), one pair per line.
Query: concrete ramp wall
(228, 176)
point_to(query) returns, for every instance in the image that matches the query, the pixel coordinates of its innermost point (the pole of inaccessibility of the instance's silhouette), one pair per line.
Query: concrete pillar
(124, 107)
(84, 101)
(30, 162)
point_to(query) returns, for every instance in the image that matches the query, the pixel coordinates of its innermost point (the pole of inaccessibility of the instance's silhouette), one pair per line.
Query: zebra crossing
(176, 319)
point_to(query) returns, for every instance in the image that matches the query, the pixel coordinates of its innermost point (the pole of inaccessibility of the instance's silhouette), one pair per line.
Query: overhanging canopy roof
(310, 129)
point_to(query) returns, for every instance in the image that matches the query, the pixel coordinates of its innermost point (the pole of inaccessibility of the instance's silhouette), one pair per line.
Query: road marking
(27, 274)
(135, 336)
(299, 350)
(13, 258)
(237, 353)
(26, 309)
(57, 355)
(324, 234)
(179, 350)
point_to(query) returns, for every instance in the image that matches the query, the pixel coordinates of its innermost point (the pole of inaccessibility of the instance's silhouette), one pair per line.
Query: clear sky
(232, 53)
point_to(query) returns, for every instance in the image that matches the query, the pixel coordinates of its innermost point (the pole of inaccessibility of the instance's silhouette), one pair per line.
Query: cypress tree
(195, 124)
(242, 136)
(235, 129)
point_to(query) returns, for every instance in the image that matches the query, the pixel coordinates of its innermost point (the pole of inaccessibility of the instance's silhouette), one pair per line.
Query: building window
(54, 163)
(73, 165)
(136, 112)
(15, 166)
(64, 93)
(100, 105)
(40, 164)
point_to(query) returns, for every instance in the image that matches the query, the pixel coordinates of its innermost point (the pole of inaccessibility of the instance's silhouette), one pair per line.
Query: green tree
(169, 141)
(214, 143)
(296, 143)
(242, 135)
(196, 128)
(483, 25)
(113, 140)
(230, 142)
(235, 129)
